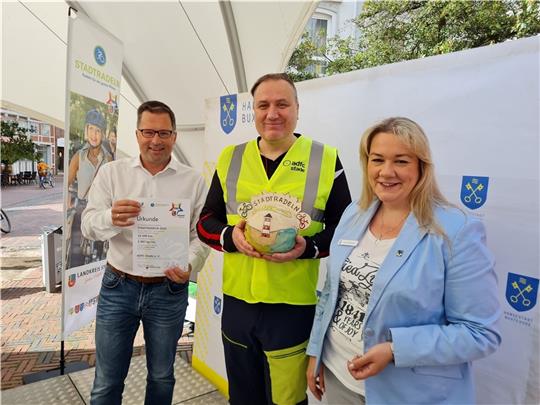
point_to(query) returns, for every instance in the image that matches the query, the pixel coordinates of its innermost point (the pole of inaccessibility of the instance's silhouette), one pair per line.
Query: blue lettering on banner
(248, 116)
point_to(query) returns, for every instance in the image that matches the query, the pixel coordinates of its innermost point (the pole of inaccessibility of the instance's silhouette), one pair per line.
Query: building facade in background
(331, 19)
(49, 141)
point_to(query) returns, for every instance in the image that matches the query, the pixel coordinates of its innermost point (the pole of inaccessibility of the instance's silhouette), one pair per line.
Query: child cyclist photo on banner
(91, 121)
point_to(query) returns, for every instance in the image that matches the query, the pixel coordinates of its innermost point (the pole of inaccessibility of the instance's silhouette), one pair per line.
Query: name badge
(347, 242)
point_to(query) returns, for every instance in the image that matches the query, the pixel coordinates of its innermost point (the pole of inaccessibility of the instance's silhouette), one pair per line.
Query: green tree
(16, 143)
(301, 59)
(394, 31)
(300, 65)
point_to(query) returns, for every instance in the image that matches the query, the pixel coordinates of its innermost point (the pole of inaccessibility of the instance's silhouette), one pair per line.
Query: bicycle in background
(5, 223)
(48, 179)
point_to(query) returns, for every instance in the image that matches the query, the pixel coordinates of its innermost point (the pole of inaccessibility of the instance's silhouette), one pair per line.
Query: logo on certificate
(521, 291)
(228, 107)
(474, 191)
(176, 210)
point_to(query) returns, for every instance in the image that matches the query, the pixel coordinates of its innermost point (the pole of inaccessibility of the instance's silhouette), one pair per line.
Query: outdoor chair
(27, 177)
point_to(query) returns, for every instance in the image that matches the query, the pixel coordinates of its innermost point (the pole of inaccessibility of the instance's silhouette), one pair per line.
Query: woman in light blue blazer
(410, 298)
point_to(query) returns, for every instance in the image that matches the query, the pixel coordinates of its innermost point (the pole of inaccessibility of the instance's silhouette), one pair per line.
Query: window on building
(45, 130)
(33, 127)
(319, 29)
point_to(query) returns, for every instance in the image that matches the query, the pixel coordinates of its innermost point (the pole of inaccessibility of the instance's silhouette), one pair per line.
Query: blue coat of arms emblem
(228, 107)
(474, 191)
(521, 291)
(217, 305)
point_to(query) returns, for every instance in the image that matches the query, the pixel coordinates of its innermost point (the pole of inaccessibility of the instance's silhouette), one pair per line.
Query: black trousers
(265, 351)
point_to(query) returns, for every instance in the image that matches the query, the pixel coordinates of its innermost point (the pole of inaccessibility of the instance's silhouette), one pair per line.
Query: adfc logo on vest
(228, 107)
(298, 166)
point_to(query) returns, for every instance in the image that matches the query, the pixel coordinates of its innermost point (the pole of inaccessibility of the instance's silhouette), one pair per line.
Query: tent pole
(234, 44)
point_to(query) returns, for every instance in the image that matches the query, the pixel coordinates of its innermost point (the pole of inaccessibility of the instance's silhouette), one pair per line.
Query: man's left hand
(177, 275)
(294, 253)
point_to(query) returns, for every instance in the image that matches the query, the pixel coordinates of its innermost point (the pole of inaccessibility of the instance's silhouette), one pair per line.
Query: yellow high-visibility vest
(307, 173)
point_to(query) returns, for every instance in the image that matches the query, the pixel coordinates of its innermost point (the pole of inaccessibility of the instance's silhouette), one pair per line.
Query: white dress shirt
(128, 179)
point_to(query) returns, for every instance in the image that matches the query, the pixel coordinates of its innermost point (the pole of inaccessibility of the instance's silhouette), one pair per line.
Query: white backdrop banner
(229, 120)
(479, 109)
(94, 68)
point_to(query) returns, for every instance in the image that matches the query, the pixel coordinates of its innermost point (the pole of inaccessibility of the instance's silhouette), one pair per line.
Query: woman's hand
(315, 383)
(371, 363)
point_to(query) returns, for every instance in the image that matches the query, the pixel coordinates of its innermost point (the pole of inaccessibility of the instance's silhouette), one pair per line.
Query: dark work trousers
(265, 351)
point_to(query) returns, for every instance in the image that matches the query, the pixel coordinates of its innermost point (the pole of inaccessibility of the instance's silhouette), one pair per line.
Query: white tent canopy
(179, 52)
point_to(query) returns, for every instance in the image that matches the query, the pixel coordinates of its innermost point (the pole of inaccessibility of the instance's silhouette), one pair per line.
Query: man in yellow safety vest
(269, 299)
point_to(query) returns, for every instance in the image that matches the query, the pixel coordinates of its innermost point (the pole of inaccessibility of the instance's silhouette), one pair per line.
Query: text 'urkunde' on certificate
(161, 236)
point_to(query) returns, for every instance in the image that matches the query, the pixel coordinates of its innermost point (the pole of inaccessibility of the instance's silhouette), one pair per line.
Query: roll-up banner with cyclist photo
(94, 69)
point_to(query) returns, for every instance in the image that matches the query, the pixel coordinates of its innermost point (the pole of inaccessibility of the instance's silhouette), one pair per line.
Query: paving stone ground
(31, 332)
(30, 317)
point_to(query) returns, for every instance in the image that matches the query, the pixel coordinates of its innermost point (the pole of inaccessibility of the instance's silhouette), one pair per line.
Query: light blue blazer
(436, 300)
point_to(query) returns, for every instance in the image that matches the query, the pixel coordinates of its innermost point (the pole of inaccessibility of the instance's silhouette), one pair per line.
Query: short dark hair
(156, 107)
(274, 76)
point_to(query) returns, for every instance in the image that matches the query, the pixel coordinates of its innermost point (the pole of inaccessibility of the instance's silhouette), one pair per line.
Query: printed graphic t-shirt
(343, 339)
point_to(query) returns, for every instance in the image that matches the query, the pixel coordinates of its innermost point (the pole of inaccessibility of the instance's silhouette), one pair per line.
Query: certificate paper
(161, 236)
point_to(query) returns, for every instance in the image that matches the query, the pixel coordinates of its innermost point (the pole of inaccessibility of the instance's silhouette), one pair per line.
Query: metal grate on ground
(191, 388)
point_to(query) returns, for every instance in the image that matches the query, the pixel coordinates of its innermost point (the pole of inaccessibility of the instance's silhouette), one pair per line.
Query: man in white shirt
(125, 298)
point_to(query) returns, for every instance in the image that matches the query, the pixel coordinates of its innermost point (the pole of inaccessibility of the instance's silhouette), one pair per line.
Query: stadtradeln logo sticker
(228, 107)
(474, 191)
(99, 55)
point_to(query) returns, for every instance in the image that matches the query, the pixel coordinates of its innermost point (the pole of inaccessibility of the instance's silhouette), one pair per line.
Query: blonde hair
(426, 193)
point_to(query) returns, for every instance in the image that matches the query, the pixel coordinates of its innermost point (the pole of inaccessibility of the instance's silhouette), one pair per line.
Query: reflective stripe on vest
(233, 174)
(312, 182)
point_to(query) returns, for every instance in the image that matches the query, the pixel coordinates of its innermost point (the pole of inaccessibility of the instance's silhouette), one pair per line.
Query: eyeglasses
(150, 133)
